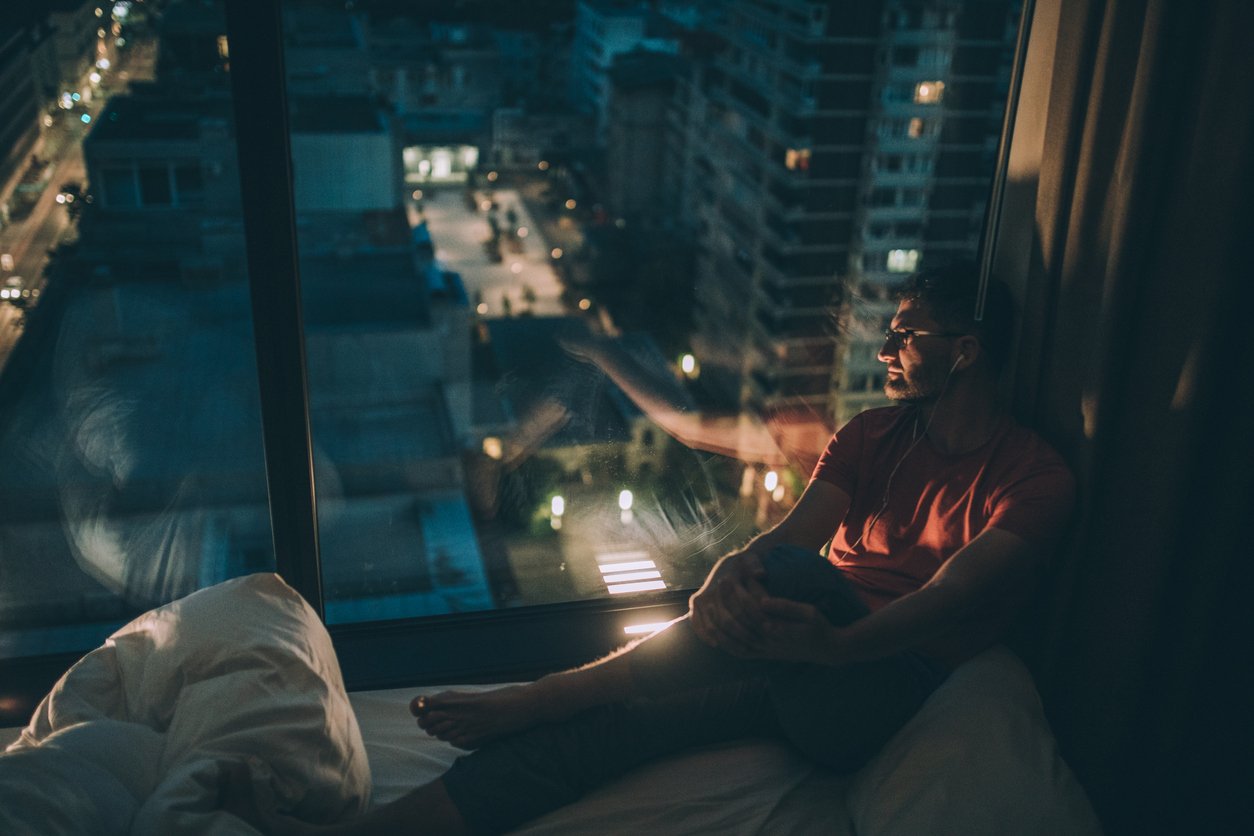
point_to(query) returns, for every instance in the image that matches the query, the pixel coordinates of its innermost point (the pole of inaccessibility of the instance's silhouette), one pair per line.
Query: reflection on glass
(131, 467)
(586, 288)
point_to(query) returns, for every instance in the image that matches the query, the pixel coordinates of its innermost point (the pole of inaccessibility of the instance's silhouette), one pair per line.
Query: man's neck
(964, 419)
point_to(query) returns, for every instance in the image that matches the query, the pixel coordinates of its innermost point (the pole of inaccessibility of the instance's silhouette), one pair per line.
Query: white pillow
(978, 758)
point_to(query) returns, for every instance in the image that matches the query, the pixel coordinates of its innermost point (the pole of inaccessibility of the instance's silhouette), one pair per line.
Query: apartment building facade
(822, 152)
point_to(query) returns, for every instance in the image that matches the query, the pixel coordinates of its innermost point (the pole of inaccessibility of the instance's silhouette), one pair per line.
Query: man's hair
(949, 293)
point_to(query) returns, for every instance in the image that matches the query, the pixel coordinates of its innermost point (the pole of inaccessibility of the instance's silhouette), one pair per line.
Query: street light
(557, 507)
(624, 505)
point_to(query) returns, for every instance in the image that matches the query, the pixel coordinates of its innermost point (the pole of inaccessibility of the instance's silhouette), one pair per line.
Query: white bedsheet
(132, 739)
(977, 760)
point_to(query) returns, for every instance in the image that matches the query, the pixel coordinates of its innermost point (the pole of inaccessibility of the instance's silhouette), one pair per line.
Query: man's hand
(726, 612)
(797, 632)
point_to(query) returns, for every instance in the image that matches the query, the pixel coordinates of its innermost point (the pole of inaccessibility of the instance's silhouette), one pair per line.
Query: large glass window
(574, 325)
(131, 462)
(496, 323)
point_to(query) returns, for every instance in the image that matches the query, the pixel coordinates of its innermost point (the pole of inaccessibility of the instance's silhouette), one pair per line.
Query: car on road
(15, 292)
(72, 193)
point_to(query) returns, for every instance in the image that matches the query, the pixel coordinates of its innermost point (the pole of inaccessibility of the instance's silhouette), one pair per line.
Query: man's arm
(727, 610)
(994, 564)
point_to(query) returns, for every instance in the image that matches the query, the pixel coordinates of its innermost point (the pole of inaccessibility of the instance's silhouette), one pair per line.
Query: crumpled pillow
(979, 759)
(241, 670)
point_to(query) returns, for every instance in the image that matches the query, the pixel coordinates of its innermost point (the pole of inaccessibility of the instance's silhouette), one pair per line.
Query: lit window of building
(903, 261)
(929, 92)
(797, 159)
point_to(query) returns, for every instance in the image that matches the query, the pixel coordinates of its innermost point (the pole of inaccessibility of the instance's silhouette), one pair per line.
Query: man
(937, 515)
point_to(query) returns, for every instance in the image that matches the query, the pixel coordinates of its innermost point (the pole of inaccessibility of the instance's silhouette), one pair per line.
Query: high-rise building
(605, 29)
(20, 102)
(826, 150)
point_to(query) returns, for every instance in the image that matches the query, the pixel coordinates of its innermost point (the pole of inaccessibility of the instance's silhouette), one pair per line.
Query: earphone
(915, 443)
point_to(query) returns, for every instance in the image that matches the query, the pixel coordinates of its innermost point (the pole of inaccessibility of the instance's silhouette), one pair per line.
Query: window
(131, 458)
(903, 261)
(453, 292)
(190, 184)
(913, 197)
(905, 56)
(929, 92)
(118, 187)
(882, 197)
(154, 185)
(797, 159)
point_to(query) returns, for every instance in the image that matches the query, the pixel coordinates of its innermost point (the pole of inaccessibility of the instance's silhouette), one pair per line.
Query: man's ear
(968, 350)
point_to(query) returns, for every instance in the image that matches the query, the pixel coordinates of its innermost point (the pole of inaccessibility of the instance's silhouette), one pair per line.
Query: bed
(134, 737)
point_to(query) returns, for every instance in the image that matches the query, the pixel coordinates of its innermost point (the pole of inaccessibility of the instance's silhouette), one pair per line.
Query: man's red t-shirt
(937, 504)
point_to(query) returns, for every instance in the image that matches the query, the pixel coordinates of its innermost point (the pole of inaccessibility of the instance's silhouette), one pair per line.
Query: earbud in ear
(954, 367)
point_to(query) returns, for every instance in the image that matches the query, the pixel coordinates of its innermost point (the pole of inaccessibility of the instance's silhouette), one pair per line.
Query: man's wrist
(836, 647)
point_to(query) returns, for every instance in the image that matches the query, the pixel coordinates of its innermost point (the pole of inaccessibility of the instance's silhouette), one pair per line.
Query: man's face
(919, 366)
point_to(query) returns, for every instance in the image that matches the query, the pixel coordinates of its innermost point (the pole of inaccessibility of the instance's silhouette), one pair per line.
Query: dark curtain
(1137, 363)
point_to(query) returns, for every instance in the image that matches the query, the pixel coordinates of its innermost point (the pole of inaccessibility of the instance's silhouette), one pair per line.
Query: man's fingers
(786, 609)
(731, 642)
(738, 612)
(701, 626)
(751, 566)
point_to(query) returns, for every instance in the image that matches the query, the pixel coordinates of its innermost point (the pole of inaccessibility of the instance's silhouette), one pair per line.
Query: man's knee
(802, 575)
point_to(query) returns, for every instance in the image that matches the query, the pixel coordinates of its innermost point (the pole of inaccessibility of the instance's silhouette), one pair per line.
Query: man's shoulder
(1025, 452)
(1027, 441)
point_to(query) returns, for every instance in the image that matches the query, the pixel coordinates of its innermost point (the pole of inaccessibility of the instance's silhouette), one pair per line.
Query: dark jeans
(695, 695)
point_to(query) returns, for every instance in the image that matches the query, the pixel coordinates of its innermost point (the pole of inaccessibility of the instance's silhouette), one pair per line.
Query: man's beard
(920, 388)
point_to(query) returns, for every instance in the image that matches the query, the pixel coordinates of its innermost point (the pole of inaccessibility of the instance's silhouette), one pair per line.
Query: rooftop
(645, 68)
(360, 288)
(155, 117)
(336, 115)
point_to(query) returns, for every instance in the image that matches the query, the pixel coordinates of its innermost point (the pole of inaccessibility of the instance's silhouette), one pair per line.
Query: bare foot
(470, 719)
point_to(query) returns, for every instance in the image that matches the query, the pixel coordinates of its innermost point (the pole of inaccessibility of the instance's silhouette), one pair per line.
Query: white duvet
(134, 737)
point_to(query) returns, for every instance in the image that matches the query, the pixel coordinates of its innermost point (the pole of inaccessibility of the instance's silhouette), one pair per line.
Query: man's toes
(467, 742)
